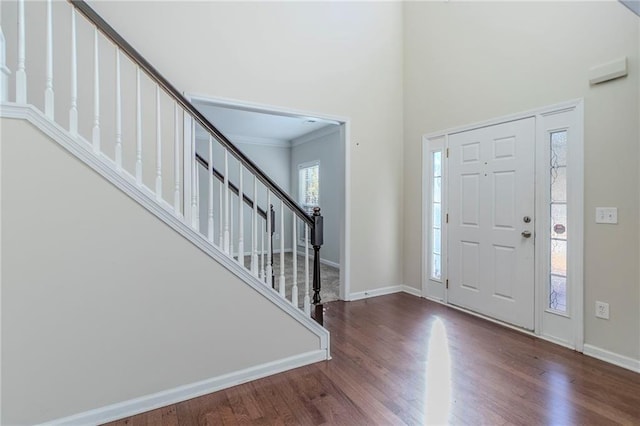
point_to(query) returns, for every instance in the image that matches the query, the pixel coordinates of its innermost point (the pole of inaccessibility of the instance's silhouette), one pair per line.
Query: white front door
(491, 221)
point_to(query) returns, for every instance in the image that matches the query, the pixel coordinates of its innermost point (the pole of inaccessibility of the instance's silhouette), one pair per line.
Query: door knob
(526, 234)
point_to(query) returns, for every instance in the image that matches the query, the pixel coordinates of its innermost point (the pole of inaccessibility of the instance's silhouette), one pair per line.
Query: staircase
(111, 109)
(153, 140)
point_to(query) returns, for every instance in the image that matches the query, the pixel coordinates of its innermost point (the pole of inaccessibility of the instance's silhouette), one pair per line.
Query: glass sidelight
(558, 214)
(436, 215)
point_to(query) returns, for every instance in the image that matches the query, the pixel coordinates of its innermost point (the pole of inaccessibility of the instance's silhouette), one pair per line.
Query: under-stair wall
(116, 298)
(103, 303)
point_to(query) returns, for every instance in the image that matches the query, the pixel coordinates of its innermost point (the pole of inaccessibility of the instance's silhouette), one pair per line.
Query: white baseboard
(612, 357)
(412, 290)
(183, 393)
(383, 291)
(330, 263)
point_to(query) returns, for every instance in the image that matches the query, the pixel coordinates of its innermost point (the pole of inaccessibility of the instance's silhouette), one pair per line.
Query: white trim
(411, 290)
(612, 357)
(103, 165)
(316, 134)
(345, 228)
(384, 291)
(551, 109)
(429, 146)
(182, 393)
(329, 263)
(257, 107)
(254, 140)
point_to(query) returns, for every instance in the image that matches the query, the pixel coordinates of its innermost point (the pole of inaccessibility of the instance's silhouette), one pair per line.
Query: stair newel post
(4, 70)
(21, 74)
(48, 92)
(281, 282)
(317, 239)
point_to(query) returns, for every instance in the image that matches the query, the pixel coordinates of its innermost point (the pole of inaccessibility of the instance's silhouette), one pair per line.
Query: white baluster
(269, 267)
(210, 172)
(220, 216)
(21, 74)
(226, 201)
(262, 267)
(73, 110)
(240, 218)
(48, 91)
(198, 200)
(231, 228)
(281, 234)
(176, 159)
(4, 70)
(254, 230)
(118, 113)
(294, 253)
(195, 222)
(96, 93)
(307, 302)
(139, 129)
(158, 146)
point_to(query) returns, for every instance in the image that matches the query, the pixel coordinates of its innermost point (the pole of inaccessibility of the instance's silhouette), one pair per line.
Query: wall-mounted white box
(609, 71)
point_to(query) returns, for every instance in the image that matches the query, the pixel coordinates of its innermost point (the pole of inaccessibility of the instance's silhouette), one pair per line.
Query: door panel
(491, 190)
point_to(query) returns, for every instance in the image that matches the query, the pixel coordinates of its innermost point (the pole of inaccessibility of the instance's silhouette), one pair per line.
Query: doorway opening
(281, 142)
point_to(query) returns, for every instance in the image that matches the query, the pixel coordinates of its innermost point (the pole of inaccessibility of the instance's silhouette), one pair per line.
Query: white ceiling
(240, 123)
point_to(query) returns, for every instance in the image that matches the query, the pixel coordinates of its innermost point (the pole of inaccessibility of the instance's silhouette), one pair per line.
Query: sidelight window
(436, 215)
(558, 212)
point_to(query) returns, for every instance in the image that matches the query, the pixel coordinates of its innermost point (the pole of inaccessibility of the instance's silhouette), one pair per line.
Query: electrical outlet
(277, 237)
(602, 310)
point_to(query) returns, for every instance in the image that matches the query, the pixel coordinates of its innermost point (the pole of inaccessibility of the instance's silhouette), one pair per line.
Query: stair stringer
(103, 165)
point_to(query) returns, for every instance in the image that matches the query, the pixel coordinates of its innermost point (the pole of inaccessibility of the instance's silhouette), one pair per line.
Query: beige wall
(102, 302)
(335, 58)
(467, 62)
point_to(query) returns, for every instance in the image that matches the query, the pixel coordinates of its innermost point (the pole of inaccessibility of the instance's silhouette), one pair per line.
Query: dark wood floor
(399, 359)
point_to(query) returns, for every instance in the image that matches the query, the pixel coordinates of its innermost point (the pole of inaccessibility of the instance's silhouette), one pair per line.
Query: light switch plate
(607, 215)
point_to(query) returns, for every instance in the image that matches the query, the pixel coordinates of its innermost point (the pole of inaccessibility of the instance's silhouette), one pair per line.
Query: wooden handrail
(153, 73)
(204, 163)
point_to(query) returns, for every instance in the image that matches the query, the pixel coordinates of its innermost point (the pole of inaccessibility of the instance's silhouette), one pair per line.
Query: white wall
(466, 62)
(326, 148)
(102, 302)
(331, 58)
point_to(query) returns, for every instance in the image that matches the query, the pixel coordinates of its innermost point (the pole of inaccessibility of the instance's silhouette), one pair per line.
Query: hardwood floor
(399, 359)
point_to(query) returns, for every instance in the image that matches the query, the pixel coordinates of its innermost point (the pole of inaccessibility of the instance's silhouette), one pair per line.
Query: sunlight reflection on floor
(438, 376)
